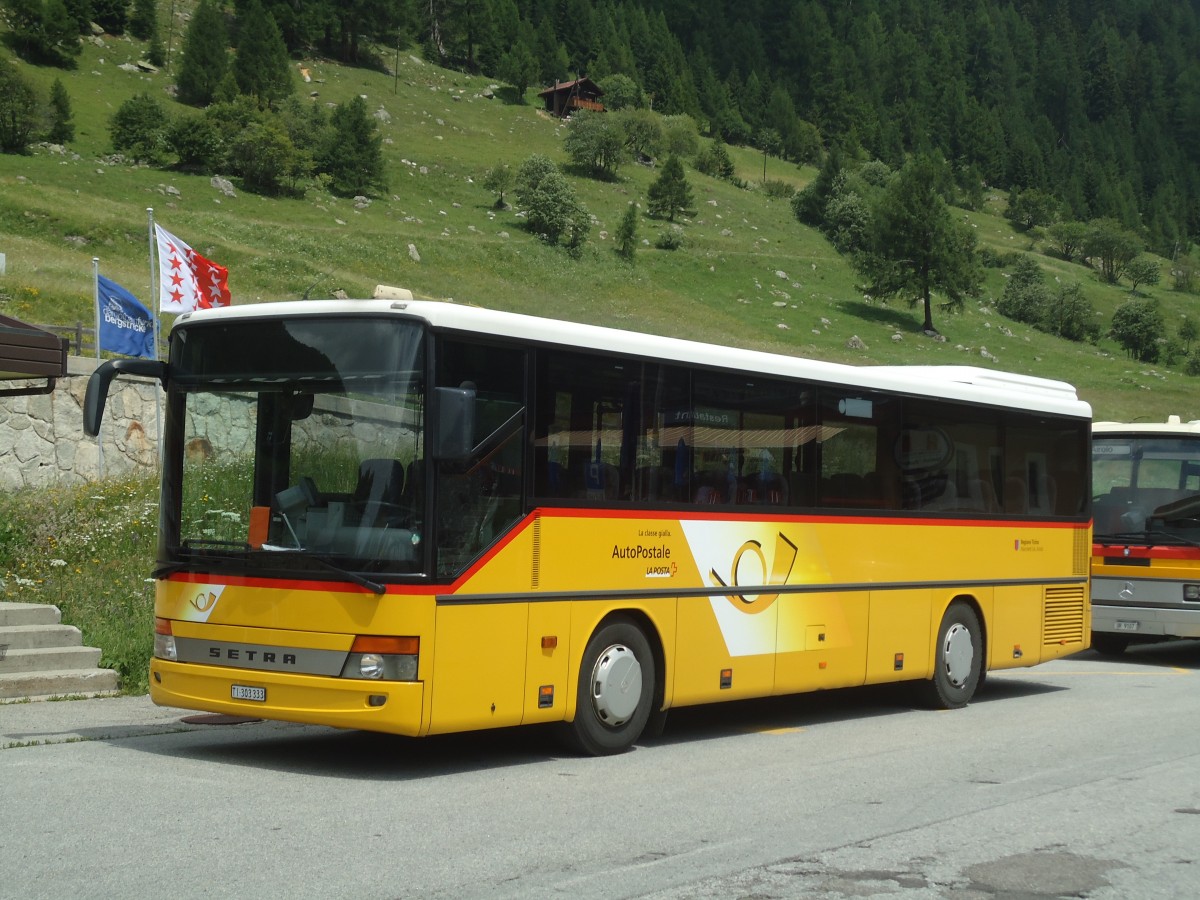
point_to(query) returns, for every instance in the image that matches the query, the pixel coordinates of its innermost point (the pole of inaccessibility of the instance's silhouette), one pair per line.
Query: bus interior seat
(380, 481)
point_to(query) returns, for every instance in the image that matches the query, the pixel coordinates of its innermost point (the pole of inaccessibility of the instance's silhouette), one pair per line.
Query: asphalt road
(1078, 778)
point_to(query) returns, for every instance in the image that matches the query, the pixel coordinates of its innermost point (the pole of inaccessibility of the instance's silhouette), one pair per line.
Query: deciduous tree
(1112, 247)
(596, 143)
(1137, 326)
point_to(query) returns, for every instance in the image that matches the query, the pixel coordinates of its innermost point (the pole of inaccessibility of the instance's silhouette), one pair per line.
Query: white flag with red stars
(186, 280)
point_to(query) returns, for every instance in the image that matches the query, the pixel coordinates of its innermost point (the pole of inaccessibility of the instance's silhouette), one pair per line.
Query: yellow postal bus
(1146, 557)
(421, 517)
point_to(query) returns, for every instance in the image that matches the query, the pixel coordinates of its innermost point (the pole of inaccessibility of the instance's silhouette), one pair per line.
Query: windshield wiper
(1148, 536)
(361, 580)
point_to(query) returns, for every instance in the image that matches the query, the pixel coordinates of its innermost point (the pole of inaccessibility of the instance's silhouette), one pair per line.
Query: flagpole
(155, 307)
(96, 299)
(154, 300)
(96, 310)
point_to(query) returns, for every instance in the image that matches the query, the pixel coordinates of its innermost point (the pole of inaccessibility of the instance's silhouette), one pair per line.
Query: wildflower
(58, 562)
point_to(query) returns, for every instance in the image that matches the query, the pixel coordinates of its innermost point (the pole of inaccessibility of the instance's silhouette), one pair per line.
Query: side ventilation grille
(537, 552)
(1081, 557)
(1062, 616)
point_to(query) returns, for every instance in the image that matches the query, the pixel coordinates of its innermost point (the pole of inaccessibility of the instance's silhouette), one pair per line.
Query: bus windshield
(1146, 486)
(297, 439)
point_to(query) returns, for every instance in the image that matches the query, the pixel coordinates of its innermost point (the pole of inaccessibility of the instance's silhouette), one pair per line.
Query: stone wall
(42, 441)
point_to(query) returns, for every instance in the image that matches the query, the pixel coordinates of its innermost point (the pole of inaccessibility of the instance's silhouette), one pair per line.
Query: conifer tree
(627, 232)
(670, 193)
(261, 66)
(111, 15)
(203, 62)
(917, 247)
(352, 154)
(518, 68)
(62, 130)
(18, 109)
(143, 24)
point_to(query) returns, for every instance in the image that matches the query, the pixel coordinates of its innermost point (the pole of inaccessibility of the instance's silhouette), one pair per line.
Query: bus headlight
(383, 658)
(370, 665)
(1191, 592)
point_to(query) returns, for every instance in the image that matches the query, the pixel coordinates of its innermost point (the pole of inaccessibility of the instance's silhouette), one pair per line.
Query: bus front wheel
(958, 663)
(616, 689)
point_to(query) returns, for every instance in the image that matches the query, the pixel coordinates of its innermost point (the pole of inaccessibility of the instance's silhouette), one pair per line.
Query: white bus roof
(1173, 425)
(967, 383)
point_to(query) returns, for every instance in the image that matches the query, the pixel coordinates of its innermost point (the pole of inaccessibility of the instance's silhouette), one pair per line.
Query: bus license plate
(1126, 626)
(244, 692)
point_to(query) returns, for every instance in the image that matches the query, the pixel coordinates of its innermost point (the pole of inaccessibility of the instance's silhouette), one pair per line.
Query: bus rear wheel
(958, 664)
(616, 689)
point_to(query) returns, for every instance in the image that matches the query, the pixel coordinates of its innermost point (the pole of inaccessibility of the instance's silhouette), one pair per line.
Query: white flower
(58, 562)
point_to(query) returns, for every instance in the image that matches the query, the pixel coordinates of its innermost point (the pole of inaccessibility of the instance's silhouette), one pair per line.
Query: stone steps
(40, 657)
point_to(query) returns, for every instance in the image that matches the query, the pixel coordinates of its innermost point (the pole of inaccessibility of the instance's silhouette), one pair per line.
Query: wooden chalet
(568, 96)
(29, 352)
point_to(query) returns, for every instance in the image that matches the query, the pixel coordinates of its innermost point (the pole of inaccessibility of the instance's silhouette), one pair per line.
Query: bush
(847, 222)
(992, 259)
(714, 160)
(139, 130)
(199, 142)
(1025, 297)
(680, 135)
(670, 239)
(265, 157)
(778, 190)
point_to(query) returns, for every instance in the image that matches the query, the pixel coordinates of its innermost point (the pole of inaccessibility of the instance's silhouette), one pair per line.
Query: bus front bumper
(394, 707)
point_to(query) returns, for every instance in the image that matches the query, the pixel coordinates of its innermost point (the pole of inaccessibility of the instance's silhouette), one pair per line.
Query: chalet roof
(581, 83)
(27, 351)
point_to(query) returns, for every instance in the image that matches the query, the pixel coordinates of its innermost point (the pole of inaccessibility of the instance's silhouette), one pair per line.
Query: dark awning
(28, 352)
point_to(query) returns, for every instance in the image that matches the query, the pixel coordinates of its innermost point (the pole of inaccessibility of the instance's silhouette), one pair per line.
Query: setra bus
(422, 517)
(1146, 546)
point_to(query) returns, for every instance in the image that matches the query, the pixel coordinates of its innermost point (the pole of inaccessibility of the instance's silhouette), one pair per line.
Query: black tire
(616, 690)
(958, 663)
(1107, 644)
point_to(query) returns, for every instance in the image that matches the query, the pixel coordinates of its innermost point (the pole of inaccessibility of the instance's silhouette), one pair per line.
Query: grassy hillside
(749, 274)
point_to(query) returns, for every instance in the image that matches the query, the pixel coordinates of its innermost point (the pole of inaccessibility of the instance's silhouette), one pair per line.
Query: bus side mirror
(454, 423)
(97, 388)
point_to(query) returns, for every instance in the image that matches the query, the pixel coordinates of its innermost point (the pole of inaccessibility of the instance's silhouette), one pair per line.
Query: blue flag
(126, 326)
